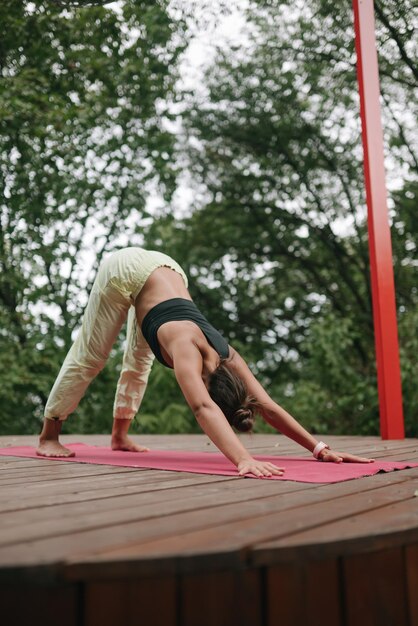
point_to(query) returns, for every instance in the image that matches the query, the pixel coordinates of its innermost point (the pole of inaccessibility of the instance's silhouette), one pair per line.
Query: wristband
(318, 449)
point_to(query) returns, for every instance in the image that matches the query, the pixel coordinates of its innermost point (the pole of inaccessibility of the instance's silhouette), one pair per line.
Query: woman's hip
(127, 270)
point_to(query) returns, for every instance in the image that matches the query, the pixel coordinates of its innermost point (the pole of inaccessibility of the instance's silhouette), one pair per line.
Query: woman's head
(231, 395)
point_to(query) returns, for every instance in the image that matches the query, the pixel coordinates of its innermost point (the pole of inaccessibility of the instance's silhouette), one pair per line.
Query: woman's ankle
(51, 430)
(120, 428)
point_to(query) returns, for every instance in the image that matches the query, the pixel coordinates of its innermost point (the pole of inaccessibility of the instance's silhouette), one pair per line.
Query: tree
(83, 135)
(275, 242)
(279, 226)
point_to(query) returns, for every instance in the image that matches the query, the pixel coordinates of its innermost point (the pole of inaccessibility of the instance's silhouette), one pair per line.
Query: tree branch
(395, 36)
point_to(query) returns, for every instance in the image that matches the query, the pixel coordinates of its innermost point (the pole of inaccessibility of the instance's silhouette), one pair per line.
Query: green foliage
(408, 338)
(280, 228)
(82, 135)
(276, 243)
(332, 394)
(163, 408)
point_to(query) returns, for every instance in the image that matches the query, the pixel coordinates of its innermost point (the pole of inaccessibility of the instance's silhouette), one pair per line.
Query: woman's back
(163, 284)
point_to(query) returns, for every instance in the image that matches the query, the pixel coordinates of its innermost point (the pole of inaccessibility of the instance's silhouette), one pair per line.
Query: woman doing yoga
(149, 289)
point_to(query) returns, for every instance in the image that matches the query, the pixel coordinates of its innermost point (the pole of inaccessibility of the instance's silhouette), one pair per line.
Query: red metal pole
(380, 246)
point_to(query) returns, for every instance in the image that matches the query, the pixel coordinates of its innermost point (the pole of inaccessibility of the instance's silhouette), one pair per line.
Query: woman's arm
(280, 419)
(188, 371)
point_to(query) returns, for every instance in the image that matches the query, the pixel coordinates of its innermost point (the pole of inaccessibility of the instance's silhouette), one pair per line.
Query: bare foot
(53, 448)
(127, 445)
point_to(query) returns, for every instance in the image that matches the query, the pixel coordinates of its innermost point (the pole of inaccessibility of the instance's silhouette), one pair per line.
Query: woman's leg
(136, 367)
(104, 316)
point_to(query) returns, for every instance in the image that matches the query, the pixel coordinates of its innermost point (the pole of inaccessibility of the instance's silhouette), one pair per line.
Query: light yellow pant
(119, 280)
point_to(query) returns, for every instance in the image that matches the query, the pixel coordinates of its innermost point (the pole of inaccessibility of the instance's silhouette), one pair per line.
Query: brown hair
(231, 395)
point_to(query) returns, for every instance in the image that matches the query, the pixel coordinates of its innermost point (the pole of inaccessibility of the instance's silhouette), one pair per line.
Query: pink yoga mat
(306, 470)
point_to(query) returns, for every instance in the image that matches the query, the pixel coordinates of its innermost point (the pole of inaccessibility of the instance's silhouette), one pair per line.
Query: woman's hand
(259, 468)
(330, 456)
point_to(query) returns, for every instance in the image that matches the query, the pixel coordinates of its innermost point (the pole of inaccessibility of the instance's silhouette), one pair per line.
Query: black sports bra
(178, 309)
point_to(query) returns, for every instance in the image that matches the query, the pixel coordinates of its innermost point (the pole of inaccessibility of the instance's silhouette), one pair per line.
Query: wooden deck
(86, 545)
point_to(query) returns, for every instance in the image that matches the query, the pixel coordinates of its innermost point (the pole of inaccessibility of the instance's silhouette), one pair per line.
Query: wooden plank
(61, 474)
(191, 521)
(203, 492)
(200, 442)
(411, 563)
(249, 597)
(14, 462)
(33, 605)
(32, 524)
(221, 598)
(375, 589)
(226, 526)
(304, 593)
(407, 454)
(88, 492)
(392, 523)
(150, 601)
(278, 517)
(98, 480)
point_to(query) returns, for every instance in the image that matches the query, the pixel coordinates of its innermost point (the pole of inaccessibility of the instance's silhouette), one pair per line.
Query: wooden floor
(86, 545)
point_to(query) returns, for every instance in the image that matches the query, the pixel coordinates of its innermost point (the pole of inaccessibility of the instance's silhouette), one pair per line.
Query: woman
(150, 290)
